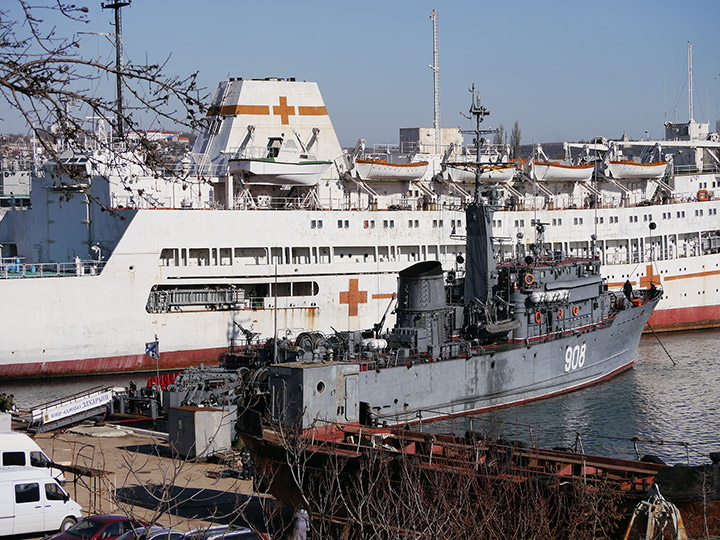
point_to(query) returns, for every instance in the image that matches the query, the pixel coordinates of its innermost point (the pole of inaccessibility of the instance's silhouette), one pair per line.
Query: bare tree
(369, 486)
(49, 80)
(515, 140)
(499, 137)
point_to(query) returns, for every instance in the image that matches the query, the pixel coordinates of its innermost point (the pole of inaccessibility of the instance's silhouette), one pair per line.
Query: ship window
(169, 257)
(280, 289)
(385, 223)
(417, 223)
(320, 225)
(305, 288)
(392, 223)
(435, 224)
(440, 223)
(347, 224)
(410, 223)
(312, 224)
(339, 223)
(250, 256)
(301, 255)
(199, 257)
(225, 256)
(372, 223)
(325, 255)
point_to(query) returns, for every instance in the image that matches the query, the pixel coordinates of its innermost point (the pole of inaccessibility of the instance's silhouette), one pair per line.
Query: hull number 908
(574, 357)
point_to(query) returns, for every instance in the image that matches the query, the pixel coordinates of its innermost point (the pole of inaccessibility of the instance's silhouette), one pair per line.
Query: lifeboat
(627, 170)
(281, 162)
(553, 171)
(466, 173)
(379, 169)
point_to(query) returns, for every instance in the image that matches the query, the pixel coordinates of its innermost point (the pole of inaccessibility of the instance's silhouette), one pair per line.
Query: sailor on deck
(628, 289)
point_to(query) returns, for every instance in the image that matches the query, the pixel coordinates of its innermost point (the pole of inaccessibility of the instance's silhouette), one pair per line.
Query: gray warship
(508, 332)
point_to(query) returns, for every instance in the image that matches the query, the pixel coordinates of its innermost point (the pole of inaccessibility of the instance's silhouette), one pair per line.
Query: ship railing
(13, 268)
(248, 152)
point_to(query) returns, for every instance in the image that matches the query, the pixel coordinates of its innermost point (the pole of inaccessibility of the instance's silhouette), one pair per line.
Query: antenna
(436, 80)
(117, 5)
(479, 112)
(690, 93)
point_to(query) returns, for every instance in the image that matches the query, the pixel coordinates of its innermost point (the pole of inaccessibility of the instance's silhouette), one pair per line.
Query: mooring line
(661, 344)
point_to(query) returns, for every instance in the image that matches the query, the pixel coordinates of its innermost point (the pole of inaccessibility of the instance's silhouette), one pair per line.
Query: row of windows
(176, 257)
(387, 223)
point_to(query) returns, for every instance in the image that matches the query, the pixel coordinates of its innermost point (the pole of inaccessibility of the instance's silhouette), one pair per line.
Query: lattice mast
(117, 5)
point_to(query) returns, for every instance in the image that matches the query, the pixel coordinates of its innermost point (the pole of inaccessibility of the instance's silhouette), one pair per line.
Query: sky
(564, 70)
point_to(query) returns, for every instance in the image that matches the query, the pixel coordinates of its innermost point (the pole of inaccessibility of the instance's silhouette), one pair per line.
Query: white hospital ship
(271, 226)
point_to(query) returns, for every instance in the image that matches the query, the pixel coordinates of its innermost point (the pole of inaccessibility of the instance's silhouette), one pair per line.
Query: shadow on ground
(160, 450)
(210, 505)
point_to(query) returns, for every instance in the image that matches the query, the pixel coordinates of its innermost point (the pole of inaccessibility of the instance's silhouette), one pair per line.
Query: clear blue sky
(564, 70)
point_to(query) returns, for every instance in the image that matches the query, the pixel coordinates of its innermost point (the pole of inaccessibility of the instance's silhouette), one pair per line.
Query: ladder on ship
(212, 131)
(72, 409)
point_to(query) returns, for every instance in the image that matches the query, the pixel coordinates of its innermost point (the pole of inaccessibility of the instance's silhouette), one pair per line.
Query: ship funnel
(420, 288)
(422, 308)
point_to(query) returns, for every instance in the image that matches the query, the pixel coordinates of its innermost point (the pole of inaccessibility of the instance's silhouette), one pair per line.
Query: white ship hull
(99, 323)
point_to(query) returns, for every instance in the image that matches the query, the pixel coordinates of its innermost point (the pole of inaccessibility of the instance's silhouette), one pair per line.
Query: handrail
(13, 268)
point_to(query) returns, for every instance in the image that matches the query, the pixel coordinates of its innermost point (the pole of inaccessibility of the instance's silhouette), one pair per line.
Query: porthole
(320, 387)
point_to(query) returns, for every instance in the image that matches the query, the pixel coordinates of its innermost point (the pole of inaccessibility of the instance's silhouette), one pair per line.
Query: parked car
(225, 532)
(100, 527)
(152, 533)
(31, 501)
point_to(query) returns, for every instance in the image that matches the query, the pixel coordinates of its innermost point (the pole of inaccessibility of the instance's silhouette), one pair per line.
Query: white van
(31, 501)
(19, 450)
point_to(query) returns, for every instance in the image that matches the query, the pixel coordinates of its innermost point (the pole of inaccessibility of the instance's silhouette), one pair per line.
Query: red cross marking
(353, 297)
(283, 110)
(649, 277)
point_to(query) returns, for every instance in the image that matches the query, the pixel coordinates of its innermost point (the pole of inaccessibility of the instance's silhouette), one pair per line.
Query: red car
(102, 527)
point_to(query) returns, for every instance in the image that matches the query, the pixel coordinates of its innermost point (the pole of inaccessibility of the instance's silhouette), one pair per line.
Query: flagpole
(157, 363)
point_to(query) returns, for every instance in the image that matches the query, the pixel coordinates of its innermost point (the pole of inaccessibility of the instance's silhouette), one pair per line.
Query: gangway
(71, 409)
